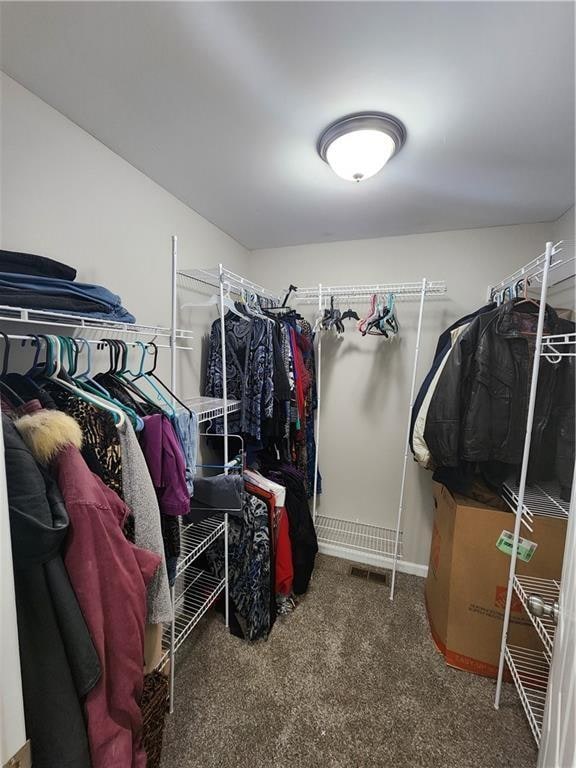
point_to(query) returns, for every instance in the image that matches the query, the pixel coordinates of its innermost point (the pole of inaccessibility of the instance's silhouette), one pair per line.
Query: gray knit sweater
(140, 496)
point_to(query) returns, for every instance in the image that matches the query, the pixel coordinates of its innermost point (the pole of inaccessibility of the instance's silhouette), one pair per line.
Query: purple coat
(166, 464)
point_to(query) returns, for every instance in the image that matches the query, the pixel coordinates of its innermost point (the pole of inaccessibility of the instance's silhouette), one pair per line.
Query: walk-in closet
(287, 384)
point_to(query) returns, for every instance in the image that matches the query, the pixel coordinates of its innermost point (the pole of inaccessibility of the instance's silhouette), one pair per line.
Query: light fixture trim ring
(379, 121)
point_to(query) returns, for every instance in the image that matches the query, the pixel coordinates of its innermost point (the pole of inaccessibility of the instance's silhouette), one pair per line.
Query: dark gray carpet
(349, 680)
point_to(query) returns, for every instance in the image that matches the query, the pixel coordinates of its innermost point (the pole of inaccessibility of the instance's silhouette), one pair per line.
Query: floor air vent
(368, 575)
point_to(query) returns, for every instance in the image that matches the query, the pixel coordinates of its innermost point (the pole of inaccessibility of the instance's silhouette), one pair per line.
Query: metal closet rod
(103, 342)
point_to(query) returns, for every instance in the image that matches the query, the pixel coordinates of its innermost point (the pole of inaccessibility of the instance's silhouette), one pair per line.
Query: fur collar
(46, 432)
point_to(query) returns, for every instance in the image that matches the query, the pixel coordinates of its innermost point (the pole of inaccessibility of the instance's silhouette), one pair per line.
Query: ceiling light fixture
(358, 146)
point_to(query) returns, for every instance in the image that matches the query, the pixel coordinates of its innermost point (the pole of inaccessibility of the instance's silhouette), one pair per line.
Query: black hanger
(350, 314)
(153, 375)
(290, 290)
(35, 343)
(14, 398)
(6, 353)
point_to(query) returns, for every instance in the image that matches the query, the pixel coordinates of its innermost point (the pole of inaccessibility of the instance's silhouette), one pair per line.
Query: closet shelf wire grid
(208, 408)
(195, 538)
(362, 537)
(88, 326)
(539, 499)
(530, 671)
(560, 345)
(365, 291)
(196, 591)
(549, 590)
(231, 280)
(531, 271)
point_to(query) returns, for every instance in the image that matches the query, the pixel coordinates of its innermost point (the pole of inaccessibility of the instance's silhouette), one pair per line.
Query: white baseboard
(378, 561)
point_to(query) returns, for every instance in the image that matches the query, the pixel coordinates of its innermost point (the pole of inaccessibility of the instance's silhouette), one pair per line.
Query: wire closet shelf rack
(196, 590)
(548, 590)
(530, 668)
(359, 292)
(543, 499)
(560, 255)
(232, 282)
(95, 331)
(350, 536)
(530, 671)
(208, 408)
(92, 328)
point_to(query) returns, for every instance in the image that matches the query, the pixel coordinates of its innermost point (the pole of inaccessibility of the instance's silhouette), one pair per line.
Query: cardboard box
(468, 576)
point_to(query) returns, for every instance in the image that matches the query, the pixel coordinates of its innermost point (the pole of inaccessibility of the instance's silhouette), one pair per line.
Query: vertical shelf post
(173, 320)
(407, 442)
(173, 352)
(225, 416)
(524, 470)
(318, 405)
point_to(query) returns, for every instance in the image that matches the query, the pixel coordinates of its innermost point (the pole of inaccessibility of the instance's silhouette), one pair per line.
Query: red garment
(280, 539)
(284, 566)
(109, 576)
(301, 374)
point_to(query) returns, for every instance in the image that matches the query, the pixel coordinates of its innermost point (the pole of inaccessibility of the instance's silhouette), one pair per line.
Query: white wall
(562, 293)
(365, 381)
(563, 228)
(67, 196)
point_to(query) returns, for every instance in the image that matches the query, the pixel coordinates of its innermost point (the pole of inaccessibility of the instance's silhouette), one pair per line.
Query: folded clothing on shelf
(31, 264)
(50, 293)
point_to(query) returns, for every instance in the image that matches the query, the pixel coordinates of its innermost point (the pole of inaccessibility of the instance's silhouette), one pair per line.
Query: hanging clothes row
(272, 546)
(94, 467)
(270, 369)
(469, 418)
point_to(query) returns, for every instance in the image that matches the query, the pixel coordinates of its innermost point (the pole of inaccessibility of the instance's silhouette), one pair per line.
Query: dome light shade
(358, 146)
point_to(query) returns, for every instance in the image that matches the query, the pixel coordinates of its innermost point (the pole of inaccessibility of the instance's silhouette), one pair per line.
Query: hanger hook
(6, 353)
(155, 359)
(86, 346)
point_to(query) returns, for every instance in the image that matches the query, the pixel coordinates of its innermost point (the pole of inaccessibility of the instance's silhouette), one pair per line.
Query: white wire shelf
(361, 537)
(233, 282)
(364, 291)
(196, 591)
(207, 408)
(531, 271)
(530, 671)
(560, 345)
(539, 499)
(93, 327)
(195, 538)
(548, 590)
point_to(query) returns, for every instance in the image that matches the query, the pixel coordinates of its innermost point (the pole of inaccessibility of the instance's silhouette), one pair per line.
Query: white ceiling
(222, 102)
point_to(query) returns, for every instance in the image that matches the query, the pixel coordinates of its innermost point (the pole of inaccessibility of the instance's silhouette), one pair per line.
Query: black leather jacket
(478, 411)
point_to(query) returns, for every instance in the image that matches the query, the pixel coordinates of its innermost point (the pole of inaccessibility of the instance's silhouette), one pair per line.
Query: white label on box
(526, 548)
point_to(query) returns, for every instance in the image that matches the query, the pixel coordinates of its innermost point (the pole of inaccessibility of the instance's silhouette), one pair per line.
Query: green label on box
(526, 548)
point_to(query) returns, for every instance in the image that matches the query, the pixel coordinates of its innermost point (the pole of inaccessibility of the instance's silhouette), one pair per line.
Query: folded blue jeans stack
(35, 282)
